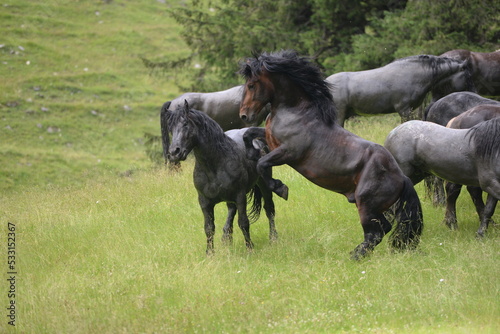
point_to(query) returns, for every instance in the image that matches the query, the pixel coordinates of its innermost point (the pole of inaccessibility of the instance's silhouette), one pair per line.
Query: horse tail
(256, 195)
(165, 139)
(409, 218)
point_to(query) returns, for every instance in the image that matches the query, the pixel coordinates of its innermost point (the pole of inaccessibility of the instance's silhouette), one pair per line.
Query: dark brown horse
(302, 131)
(484, 69)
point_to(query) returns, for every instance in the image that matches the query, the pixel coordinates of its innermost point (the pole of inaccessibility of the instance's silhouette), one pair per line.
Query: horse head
(178, 123)
(257, 92)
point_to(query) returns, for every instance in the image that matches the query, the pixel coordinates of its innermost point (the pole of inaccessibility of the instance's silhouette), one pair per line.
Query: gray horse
(400, 86)
(463, 156)
(223, 107)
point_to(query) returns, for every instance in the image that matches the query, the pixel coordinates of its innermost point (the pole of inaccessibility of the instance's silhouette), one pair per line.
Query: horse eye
(251, 86)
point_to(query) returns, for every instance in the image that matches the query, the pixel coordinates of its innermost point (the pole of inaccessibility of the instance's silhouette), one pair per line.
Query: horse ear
(186, 108)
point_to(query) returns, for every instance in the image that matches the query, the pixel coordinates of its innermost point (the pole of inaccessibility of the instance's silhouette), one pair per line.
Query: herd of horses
(458, 140)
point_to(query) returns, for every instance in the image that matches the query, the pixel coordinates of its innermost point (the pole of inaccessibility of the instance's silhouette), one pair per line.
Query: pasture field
(107, 242)
(127, 255)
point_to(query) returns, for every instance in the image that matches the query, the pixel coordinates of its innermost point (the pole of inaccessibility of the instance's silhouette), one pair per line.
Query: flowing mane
(302, 72)
(486, 138)
(436, 62)
(209, 129)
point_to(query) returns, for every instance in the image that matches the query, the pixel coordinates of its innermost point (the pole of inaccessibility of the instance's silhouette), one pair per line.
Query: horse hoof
(227, 239)
(451, 225)
(282, 192)
(480, 235)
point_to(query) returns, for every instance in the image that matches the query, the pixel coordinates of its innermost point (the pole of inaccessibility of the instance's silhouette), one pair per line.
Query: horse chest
(219, 184)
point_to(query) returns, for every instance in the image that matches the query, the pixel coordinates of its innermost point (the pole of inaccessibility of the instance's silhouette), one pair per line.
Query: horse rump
(409, 219)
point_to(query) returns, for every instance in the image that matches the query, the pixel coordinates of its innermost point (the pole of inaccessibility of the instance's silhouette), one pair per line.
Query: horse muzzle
(177, 154)
(247, 116)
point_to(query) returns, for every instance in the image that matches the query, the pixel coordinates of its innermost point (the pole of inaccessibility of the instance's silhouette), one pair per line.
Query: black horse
(302, 131)
(225, 171)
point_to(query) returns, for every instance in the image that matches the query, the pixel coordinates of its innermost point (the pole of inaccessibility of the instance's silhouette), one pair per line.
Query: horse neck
(211, 148)
(445, 71)
(286, 93)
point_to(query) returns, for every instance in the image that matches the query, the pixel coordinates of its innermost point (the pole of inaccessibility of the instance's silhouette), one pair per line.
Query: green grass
(128, 255)
(76, 99)
(108, 243)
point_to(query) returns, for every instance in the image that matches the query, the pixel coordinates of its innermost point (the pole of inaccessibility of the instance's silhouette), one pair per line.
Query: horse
(223, 107)
(302, 131)
(441, 112)
(484, 69)
(463, 156)
(225, 170)
(452, 105)
(467, 120)
(399, 86)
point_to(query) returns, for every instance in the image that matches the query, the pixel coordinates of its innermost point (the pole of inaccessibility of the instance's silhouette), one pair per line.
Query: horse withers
(225, 169)
(302, 131)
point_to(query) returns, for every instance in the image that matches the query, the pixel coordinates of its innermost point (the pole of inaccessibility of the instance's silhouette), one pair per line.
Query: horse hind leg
(243, 221)
(227, 235)
(450, 216)
(374, 229)
(267, 194)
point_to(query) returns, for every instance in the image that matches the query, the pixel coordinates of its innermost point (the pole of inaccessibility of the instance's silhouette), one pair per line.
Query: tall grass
(128, 256)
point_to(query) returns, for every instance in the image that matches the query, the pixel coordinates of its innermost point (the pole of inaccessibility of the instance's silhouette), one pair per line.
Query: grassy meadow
(109, 242)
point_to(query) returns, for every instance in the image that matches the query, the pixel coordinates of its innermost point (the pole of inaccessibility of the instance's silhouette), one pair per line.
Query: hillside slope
(75, 97)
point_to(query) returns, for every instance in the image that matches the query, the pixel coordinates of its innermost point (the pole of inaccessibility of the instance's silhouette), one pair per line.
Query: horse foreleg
(450, 216)
(276, 157)
(374, 228)
(269, 208)
(227, 236)
(476, 194)
(489, 210)
(243, 221)
(207, 208)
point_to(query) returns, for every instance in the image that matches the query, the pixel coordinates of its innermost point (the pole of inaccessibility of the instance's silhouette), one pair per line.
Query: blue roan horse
(398, 87)
(463, 156)
(225, 169)
(302, 131)
(223, 107)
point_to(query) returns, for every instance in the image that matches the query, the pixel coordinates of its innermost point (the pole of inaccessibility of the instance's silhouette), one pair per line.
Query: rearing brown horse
(302, 132)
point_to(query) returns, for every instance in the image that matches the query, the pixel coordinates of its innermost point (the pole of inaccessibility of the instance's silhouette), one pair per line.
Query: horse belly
(450, 160)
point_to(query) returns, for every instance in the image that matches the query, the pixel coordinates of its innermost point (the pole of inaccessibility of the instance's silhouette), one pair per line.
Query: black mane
(486, 138)
(301, 71)
(208, 130)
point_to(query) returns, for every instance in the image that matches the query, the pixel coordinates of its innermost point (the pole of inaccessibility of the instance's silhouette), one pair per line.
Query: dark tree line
(341, 35)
